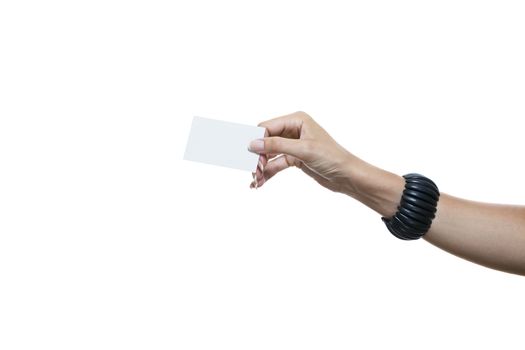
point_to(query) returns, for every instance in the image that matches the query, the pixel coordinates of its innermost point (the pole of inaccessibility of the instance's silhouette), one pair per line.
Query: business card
(222, 143)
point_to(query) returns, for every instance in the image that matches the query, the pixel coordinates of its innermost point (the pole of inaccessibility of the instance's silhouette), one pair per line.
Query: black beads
(416, 210)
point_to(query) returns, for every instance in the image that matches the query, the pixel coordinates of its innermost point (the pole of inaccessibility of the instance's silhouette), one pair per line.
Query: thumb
(280, 145)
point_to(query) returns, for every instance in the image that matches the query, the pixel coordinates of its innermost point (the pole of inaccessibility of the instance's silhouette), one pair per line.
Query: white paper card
(222, 143)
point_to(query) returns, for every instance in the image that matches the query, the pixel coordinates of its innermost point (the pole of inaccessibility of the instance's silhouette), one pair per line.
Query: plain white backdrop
(109, 240)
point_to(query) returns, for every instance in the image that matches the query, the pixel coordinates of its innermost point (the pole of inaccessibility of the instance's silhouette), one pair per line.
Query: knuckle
(303, 115)
(270, 144)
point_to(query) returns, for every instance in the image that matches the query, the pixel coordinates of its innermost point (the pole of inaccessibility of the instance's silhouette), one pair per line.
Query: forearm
(488, 234)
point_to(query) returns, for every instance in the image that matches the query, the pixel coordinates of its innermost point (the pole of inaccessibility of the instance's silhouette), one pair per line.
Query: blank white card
(222, 143)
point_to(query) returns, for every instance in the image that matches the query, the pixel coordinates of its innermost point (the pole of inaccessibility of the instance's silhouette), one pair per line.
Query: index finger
(288, 126)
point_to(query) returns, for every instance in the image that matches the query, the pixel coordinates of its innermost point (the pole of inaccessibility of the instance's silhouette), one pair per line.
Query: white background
(109, 240)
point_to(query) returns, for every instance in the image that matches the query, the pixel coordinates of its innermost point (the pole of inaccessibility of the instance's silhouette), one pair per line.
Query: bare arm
(492, 235)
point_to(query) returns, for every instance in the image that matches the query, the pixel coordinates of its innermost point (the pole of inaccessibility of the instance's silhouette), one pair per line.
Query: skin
(492, 235)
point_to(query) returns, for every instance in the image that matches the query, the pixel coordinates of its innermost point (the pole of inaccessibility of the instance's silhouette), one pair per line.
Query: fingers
(273, 167)
(258, 174)
(283, 162)
(282, 137)
(269, 156)
(279, 145)
(286, 126)
(277, 165)
(263, 160)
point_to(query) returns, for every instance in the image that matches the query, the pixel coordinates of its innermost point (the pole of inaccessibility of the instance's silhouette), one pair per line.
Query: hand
(297, 140)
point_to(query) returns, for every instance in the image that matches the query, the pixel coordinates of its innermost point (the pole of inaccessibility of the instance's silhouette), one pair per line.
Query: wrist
(378, 189)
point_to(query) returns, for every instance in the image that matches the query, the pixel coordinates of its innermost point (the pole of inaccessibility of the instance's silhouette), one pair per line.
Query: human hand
(297, 140)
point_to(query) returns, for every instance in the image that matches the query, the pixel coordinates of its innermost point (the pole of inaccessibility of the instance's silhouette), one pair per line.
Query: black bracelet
(416, 210)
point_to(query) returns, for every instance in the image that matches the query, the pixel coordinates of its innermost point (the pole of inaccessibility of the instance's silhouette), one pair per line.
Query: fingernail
(256, 146)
